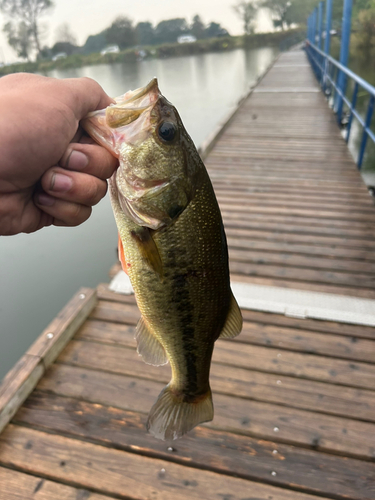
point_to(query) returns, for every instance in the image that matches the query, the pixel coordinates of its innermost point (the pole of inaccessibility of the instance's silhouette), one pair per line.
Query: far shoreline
(287, 38)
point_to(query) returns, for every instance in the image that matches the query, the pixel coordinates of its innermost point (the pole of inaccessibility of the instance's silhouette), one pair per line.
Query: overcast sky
(88, 17)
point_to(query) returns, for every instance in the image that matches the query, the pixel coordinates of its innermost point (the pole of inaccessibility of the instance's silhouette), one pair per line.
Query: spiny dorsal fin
(148, 249)
(233, 324)
(148, 346)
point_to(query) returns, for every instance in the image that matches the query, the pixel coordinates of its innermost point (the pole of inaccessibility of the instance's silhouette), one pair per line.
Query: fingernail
(77, 161)
(44, 199)
(61, 183)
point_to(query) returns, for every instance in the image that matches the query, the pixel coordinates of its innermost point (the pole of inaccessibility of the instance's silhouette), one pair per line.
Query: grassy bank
(156, 51)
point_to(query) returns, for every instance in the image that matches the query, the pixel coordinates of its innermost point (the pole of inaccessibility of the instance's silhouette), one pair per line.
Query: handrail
(333, 75)
(321, 64)
(365, 85)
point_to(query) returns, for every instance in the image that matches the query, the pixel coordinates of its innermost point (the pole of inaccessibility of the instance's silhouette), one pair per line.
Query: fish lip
(151, 88)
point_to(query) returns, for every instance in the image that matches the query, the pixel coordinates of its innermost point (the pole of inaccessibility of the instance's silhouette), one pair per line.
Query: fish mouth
(130, 120)
(130, 106)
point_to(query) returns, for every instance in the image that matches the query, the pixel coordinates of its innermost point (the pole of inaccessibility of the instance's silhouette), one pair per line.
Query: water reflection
(40, 272)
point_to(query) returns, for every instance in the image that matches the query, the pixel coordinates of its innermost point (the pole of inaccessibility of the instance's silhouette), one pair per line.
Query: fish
(173, 247)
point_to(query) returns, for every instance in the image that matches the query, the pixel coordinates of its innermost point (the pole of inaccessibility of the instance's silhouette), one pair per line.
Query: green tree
(66, 47)
(121, 32)
(197, 28)
(169, 30)
(246, 11)
(144, 33)
(214, 30)
(65, 34)
(25, 18)
(280, 12)
(364, 41)
(95, 43)
(19, 38)
(298, 11)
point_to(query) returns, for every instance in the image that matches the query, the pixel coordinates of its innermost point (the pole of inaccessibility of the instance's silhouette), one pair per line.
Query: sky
(88, 17)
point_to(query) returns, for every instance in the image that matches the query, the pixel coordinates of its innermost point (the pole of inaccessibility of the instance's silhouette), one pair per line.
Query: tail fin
(170, 417)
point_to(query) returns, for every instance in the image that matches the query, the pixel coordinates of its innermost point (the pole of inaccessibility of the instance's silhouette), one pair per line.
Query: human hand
(50, 171)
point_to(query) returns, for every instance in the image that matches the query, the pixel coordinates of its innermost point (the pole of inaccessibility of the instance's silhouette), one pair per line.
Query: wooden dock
(294, 398)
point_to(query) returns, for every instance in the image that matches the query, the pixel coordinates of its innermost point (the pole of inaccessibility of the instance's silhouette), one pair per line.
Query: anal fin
(233, 324)
(148, 346)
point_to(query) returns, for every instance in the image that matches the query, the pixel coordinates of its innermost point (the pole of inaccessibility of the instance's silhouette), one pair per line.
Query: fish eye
(167, 131)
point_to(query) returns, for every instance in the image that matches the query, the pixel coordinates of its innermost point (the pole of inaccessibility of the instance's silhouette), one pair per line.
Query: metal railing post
(327, 45)
(320, 24)
(344, 54)
(370, 111)
(309, 28)
(314, 19)
(320, 35)
(354, 103)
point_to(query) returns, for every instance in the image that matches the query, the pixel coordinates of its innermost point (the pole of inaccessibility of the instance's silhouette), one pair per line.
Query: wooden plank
(282, 338)
(303, 285)
(358, 280)
(272, 422)
(233, 198)
(17, 385)
(58, 333)
(300, 226)
(264, 359)
(357, 245)
(345, 347)
(262, 318)
(312, 220)
(22, 379)
(331, 252)
(240, 456)
(278, 256)
(19, 486)
(246, 383)
(324, 215)
(126, 475)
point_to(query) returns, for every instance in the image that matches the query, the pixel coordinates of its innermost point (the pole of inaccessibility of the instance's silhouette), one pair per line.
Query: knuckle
(78, 214)
(96, 190)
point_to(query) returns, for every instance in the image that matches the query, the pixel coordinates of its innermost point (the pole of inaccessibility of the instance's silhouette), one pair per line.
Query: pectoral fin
(148, 346)
(233, 324)
(148, 249)
(121, 255)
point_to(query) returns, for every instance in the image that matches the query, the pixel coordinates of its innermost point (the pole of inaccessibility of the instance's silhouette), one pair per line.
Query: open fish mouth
(131, 105)
(114, 125)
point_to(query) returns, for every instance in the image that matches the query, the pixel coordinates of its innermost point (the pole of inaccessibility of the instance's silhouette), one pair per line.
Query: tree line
(24, 33)
(286, 13)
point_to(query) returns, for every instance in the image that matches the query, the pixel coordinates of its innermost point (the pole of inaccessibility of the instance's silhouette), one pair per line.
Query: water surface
(40, 272)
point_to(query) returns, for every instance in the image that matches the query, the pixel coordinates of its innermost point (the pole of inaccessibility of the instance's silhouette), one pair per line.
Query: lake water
(40, 272)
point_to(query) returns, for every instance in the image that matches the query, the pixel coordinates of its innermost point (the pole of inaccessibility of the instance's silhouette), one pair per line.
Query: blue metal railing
(333, 75)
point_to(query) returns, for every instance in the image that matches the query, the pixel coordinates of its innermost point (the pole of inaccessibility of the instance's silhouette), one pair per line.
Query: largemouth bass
(173, 247)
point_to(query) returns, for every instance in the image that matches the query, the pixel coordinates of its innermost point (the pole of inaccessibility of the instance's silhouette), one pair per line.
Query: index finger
(87, 95)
